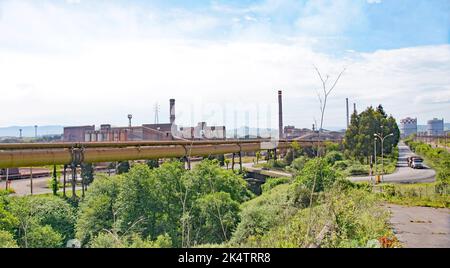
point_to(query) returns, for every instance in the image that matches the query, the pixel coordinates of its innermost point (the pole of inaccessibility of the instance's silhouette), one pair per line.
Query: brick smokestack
(280, 114)
(172, 111)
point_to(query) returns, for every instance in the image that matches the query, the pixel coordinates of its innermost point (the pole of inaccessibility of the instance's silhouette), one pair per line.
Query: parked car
(417, 163)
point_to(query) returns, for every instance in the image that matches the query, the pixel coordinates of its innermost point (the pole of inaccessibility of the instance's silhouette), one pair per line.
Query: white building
(408, 126)
(202, 131)
(435, 127)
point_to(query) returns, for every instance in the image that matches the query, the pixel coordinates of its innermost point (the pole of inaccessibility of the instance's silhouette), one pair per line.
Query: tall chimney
(354, 107)
(172, 111)
(280, 114)
(346, 103)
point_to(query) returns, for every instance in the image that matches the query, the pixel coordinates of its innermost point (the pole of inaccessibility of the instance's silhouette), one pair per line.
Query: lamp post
(381, 137)
(375, 156)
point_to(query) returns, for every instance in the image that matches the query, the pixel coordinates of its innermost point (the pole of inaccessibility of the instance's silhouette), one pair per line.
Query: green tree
(8, 221)
(7, 240)
(216, 215)
(317, 170)
(87, 173)
(44, 237)
(294, 152)
(97, 211)
(153, 163)
(359, 137)
(56, 213)
(123, 167)
(54, 183)
(32, 230)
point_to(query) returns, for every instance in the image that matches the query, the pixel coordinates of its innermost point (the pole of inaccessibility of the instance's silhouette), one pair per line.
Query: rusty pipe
(121, 144)
(20, 158)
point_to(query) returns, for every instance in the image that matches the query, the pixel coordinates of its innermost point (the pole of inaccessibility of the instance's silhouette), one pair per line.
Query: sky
(76, 62)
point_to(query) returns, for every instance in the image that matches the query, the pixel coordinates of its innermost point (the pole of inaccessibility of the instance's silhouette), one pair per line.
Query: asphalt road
(421, 227)
(22, 186)
(403, 173)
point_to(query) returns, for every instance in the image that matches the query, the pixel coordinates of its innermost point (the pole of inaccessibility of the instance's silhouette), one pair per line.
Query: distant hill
(241, 132)
(28, 131)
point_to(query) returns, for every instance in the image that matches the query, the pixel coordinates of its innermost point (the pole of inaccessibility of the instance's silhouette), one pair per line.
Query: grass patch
(420, 194)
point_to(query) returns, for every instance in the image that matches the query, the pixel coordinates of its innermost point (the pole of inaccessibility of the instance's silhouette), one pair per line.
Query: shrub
(272, 182)
(44, 237)
(7, 240)
(319, 171)
(268, 211)
(357, 169)
(58, 214)
(356, 218)
(388, 190)
(333, 156)
(341, 165)
(299, 163)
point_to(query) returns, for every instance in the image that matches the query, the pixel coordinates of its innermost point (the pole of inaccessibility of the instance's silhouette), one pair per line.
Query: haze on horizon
(70, 62)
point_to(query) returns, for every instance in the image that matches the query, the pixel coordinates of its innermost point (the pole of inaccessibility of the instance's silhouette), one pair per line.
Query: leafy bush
(341, 165)
(97, 210)
(195, 206)
(318, 171)
(113, 240)
(298, 164)
(353, 217)
(269, 210)
(272, 182)
(216, 216)
(44, 237)
(7, 240)
(437, 158)
(357, 169)
(42, 221)
(334, 156)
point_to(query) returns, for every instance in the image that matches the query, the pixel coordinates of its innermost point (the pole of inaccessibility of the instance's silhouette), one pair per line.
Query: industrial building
(137, 133)
(290, 132)
(156, 132)
(76, 133)
(408, 126)
(435, 127)
(203, 131)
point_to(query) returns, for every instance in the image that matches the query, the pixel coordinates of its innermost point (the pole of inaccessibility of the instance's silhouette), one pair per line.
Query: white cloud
(80, 67)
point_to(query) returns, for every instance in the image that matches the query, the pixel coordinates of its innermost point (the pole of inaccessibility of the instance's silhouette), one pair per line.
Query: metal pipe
(18, 158)
(69, 145)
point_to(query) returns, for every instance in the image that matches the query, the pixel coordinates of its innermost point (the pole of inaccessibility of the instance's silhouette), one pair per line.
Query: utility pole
(375, 155)
(156, 113)
(7, 178)
(31, 180)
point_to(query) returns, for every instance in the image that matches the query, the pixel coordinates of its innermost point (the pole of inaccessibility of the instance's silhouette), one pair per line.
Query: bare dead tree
(323, 98)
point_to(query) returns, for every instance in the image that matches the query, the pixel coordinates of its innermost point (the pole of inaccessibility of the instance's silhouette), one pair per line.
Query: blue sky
(216, 56)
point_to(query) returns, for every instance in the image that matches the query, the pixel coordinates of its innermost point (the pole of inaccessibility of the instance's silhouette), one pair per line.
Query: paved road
(22, 186)
(403, 173)
(275, 173)
(421, 227)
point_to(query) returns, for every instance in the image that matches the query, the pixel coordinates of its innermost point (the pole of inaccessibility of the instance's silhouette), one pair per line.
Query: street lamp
(381, 137)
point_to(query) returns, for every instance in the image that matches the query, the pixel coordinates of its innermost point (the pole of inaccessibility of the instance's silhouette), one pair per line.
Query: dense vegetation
(169, 206)
(438, 159)
(353, 157)
(359, 137)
